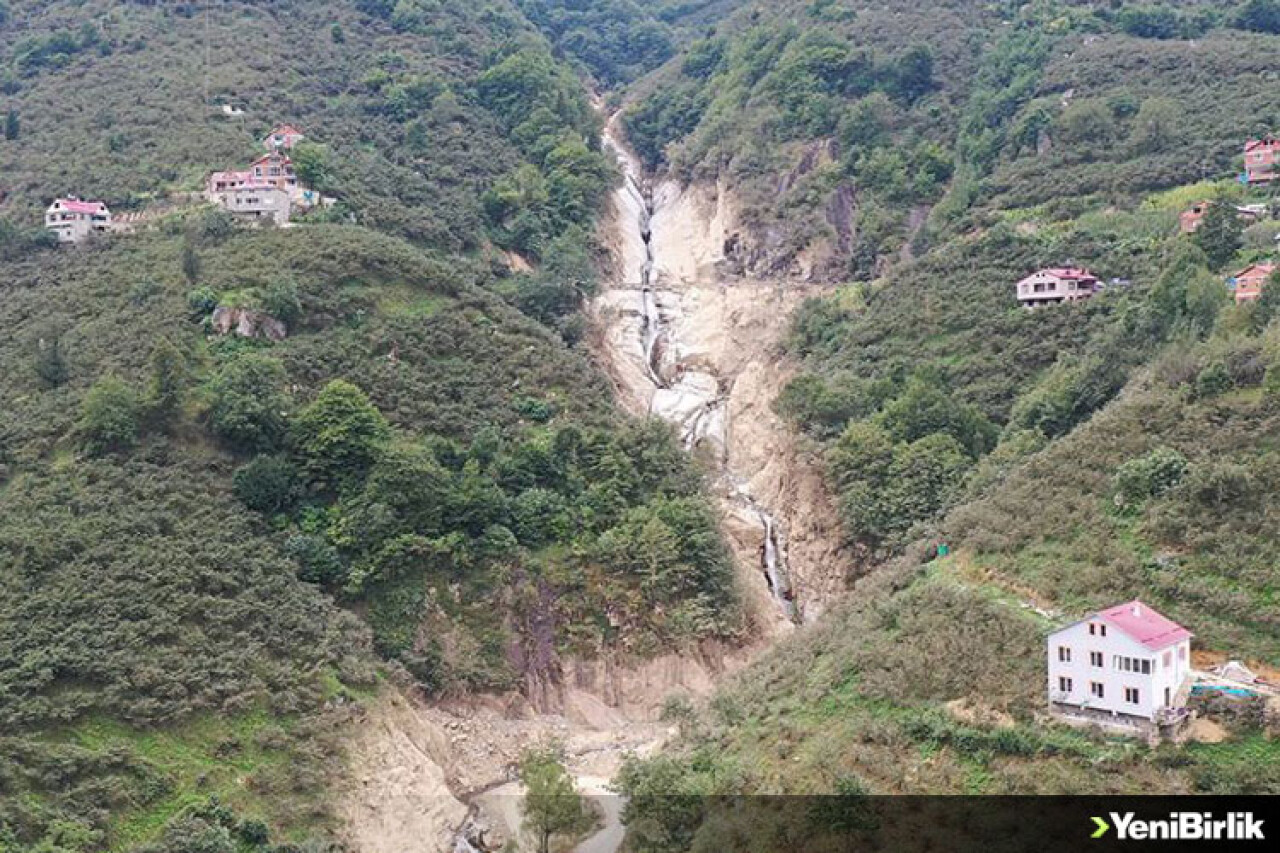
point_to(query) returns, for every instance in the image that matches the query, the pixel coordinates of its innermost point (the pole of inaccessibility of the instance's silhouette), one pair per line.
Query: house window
(1131, 695)
(1064, 654)
(1168, 659)
(1064, 684)
(1095, 658)
(1146, 666)
(1096, 689)
(1093, 629)
(1102, 630)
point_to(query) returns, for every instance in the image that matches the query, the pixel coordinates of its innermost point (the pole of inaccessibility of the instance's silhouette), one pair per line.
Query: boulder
(247, 323)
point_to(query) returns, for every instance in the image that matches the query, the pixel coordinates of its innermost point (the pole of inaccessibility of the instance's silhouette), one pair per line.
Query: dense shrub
(1150, 476)
(109, 417)
(268, 484)
(249, 407)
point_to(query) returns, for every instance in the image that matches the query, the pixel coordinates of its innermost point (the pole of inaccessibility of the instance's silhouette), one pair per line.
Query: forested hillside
(212, 544)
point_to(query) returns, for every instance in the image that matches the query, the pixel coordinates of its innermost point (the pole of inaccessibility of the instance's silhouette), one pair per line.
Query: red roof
(1145, 625)
(1256, 269)
(230, 176)
(285, 130)
(284, 161)
(1267, 142)
(75, 205)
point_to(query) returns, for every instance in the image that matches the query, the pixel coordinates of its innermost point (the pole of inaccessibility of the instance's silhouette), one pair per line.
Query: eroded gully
(698, 349)
(678, 340)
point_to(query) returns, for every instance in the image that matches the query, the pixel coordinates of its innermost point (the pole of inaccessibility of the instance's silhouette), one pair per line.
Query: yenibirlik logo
(1182, 826)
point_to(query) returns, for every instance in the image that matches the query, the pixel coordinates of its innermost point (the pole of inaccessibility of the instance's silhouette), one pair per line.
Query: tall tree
(12, 124)
(168, 382)
(1220, 233)
(552, 805)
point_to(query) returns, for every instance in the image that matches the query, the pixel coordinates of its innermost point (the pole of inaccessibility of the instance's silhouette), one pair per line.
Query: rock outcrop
(247, 323)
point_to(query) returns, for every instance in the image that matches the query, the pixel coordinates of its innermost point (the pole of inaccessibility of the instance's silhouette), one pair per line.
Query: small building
(1189, 220)
(1260, 159)
(73, 219)
(1127, 667)
(1248, 283)
(256, 202)
(282, 137)
(220, 182)
(1059, 284)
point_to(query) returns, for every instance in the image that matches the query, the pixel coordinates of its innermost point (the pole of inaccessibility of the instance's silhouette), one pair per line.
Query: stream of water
(687, 392)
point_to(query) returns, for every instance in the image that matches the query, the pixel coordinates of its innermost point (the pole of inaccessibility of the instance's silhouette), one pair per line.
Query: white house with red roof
(282, 136)
(74, 219)
(1127, 665)
(1056, 284)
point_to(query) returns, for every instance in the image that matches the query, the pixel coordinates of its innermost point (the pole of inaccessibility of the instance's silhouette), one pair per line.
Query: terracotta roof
(1263, 269)
(284, 129)
(1265, 142)
(1147, 626)
(284, 161)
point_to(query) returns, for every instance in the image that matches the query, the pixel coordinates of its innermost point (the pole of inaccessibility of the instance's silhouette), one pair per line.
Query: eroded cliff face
(687, 339)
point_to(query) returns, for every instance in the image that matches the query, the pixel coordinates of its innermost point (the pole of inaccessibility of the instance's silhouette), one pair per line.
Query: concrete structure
(282, 137)
(1189, 219)
(74, 220)
(1260, 159)
(1059, 284)
(1127, 667)
(256, 202)
(1248, 283)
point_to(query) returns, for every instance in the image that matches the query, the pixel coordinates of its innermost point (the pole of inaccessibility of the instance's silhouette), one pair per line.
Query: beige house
(282, 137)
(74, 220)
(1056, 285)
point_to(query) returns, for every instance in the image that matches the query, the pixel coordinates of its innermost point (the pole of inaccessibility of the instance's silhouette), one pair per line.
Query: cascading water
(686, 391)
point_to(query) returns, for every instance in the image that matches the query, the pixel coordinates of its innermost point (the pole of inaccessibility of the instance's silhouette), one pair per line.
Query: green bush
(250, 407)
(109, 417)
(1150, 476)
(339, 436)
(268, 484)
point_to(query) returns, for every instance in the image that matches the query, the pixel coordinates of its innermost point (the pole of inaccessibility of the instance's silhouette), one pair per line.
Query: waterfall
(686, 391)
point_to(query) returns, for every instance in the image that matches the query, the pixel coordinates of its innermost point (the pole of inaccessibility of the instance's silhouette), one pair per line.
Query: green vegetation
(552, 807)
(191, 522)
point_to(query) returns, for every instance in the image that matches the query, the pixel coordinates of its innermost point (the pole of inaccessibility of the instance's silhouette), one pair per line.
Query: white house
(1127, 665)
(1055, 285)
(72, 219)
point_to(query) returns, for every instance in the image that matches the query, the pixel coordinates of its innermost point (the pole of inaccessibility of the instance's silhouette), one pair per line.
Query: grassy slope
(862, 696)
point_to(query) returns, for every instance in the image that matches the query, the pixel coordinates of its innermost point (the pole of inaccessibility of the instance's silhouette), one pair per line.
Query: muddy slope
(688, 342)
